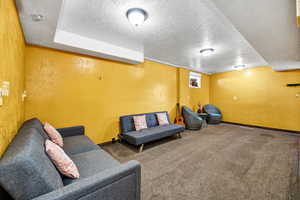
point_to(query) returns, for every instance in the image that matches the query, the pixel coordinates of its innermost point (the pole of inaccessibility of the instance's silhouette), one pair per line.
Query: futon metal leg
(141, 148)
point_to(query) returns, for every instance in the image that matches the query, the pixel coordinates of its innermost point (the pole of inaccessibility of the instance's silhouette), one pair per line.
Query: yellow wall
(191, 97)
(262, 98)
(68, 89)
(12, 70)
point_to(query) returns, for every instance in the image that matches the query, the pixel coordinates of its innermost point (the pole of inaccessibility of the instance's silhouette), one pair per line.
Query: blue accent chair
(214, 114)
(191, 119)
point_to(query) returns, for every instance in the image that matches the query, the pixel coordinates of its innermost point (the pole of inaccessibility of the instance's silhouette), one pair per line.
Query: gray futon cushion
(90, 163)
(151, 134)
(25, 169)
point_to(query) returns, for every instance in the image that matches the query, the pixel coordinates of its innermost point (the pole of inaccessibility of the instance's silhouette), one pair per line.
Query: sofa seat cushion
(78, 144)
(151, 134)
(90, 163)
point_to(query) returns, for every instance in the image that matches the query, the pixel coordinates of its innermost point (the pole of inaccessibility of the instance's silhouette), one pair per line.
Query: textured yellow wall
(258, 97)
(12, 70)
(68, 89)
(192, 96)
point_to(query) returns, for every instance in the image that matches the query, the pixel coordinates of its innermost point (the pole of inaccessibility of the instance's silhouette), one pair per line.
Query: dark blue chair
(214, 114)
(191, 119)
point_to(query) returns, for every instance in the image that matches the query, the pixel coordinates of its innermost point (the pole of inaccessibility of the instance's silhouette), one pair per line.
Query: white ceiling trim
(103, 49)
(174, 65)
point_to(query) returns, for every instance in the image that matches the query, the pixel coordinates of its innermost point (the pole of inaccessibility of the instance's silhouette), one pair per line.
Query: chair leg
(141, 148)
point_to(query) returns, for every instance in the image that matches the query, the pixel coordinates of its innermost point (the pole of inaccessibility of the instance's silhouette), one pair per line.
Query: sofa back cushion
(127, 122)
(37, 124)
(25, 170)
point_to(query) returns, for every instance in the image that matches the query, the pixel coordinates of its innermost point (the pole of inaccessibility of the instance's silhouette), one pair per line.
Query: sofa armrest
(71, 131)
(119, 183)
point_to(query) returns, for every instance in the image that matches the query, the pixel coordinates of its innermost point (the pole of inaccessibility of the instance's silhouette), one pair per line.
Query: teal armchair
(191, 119)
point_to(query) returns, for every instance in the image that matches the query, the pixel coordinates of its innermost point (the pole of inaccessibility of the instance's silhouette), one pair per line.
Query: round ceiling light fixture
(207, 51)
(37, 17)
(239, 67)
(136, 16)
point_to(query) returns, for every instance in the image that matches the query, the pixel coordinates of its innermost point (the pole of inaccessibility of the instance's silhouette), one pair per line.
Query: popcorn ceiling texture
(193, 25)
(12, 47)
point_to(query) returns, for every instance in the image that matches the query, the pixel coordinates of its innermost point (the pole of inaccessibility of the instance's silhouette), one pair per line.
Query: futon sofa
(214, 114)
(191, 119)
(152, 133)
(26, 172)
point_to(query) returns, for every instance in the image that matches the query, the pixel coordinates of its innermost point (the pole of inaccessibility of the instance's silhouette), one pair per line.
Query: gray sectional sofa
(26, 172)
(152, 133)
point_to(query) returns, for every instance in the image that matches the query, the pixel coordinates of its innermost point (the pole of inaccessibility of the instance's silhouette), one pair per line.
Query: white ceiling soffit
(174, 33)
(46, 33)
(98, 48)
(270, 26)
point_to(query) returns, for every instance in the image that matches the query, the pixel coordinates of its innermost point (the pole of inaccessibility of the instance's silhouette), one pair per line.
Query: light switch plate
(24, 95)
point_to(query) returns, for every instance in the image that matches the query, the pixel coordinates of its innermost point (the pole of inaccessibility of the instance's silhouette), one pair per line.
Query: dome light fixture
(37, 17)
(239, 67)
(136, 16)
(207, 51)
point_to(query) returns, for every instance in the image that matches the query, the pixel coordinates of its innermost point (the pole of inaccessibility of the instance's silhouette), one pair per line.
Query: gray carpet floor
(221, 162)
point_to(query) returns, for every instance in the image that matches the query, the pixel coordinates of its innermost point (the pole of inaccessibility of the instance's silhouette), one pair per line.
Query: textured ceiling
(175, 31)
(270, 26)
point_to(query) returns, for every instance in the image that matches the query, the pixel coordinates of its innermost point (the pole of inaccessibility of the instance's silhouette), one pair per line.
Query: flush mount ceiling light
(239, 67)
(136, 16)
(37, 17)
(207, 52)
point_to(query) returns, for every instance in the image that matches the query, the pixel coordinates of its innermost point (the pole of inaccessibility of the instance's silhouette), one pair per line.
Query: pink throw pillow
(162, 118)
(61, 160)
(53, 134)
(140, 122)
